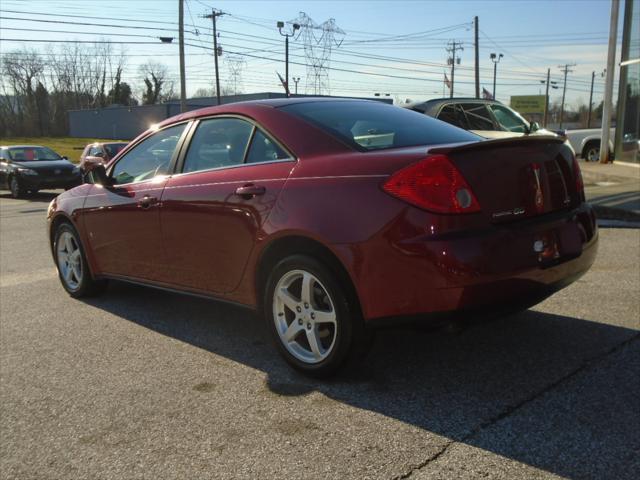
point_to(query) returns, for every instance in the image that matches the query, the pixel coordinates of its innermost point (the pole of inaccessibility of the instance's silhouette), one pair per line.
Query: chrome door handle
(147, 201)
(250, 190)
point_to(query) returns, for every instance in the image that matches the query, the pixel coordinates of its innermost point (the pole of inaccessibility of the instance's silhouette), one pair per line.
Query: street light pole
(495, 58)
(286, 49)
(296, 80)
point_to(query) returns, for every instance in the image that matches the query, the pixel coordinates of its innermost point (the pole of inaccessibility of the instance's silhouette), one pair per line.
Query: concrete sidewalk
(614, 190)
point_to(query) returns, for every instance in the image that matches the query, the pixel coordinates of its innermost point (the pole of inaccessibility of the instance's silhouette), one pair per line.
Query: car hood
(46, 164)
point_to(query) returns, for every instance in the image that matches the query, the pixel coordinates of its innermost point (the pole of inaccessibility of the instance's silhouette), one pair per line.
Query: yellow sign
(528, 103)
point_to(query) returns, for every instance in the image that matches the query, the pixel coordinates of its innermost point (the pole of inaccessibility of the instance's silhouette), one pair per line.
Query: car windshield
(375, 125)
(114, 148)
(32, 154)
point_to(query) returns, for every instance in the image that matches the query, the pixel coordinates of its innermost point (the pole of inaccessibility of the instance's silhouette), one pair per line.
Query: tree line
(38, 88)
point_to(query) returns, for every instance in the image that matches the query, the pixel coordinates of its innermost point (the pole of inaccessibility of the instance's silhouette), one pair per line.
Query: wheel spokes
(292, 331)
(306, 289)
(289, 300)
(324, 317)
(314, 343)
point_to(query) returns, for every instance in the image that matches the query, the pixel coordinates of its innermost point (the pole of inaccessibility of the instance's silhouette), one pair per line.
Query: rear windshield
(29, 154)
(114, 148)
(375, 126)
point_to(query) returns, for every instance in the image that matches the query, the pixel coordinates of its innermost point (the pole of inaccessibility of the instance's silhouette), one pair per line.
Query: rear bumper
(490, 269)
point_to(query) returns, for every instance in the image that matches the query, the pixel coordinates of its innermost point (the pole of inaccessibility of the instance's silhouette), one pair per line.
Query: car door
(213, 211)
(122, 220)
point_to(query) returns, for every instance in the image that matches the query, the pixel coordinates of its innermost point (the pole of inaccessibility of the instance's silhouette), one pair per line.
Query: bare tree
(157, 85)
(22, 69)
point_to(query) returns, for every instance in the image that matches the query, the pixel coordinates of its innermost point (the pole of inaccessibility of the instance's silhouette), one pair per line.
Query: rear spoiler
(527, 140)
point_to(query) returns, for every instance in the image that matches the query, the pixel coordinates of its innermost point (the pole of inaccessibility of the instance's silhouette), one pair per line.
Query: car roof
(436, 103)
(240, 107)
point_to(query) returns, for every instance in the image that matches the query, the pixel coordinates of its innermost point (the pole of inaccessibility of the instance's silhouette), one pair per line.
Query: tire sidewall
(344, 314)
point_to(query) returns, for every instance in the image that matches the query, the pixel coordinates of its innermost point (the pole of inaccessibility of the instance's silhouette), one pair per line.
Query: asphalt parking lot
(140, 383)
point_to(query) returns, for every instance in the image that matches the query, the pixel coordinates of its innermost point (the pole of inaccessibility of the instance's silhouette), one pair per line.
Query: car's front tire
(71, 262)
(314, 323)
(16, 189)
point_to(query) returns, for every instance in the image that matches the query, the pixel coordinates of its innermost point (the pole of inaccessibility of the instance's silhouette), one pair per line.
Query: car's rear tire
(313, 322)
(591, 151)
(16, 189)
(71, 262)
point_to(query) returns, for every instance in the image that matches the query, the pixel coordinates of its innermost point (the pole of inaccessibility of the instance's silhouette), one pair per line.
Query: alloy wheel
(304, 316)
(593, 154)
(69, 260)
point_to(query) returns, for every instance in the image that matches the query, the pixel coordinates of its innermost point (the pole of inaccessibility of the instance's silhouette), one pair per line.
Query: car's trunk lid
(517, 178)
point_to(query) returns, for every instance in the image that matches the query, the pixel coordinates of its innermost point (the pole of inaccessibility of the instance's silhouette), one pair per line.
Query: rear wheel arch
(284, 247)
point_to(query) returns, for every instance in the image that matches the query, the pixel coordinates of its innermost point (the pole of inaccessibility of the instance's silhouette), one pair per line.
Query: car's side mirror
(96, 173)
(65, 157)
(534, 127)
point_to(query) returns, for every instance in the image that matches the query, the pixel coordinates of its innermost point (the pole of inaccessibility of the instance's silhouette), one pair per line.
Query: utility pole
(286, 48)
(296, 80)
(452, 48)
(546, 101)
(213, 16)
(495, 58)
(607, 105)
(183, 87)
(477, 48)
(565, 68)
(593, 77)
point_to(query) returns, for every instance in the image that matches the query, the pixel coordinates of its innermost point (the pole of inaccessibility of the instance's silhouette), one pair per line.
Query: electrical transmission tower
(235, 65)
(318, 40)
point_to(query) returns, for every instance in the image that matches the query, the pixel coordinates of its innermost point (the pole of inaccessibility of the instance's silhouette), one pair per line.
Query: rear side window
(374, 126)
(263, 149)
(218, 142)
(478, 117)
(453, 114)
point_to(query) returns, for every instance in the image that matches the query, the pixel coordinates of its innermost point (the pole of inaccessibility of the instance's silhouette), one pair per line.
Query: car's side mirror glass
(534, 127)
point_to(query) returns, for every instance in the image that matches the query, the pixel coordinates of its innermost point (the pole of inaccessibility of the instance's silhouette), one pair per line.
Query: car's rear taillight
(433, 184)
(578, 179)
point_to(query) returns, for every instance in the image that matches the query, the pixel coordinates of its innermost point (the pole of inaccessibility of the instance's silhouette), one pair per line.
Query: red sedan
(328, 217)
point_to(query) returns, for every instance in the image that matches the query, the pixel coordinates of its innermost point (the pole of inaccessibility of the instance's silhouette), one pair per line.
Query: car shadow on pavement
(534, 387)
(44, 197)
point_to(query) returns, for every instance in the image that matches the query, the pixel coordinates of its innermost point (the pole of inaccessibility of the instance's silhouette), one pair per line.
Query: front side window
(478, 117)
(509, 120)
(149, 158)
(218, 142)
(374, 125)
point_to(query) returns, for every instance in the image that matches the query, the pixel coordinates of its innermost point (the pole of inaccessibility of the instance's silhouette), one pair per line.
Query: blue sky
(533, 36)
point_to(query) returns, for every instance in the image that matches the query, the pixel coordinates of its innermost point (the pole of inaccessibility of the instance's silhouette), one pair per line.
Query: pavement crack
(586, 364)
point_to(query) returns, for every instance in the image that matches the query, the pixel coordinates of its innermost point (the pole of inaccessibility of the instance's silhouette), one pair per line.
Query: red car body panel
(199, 236)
